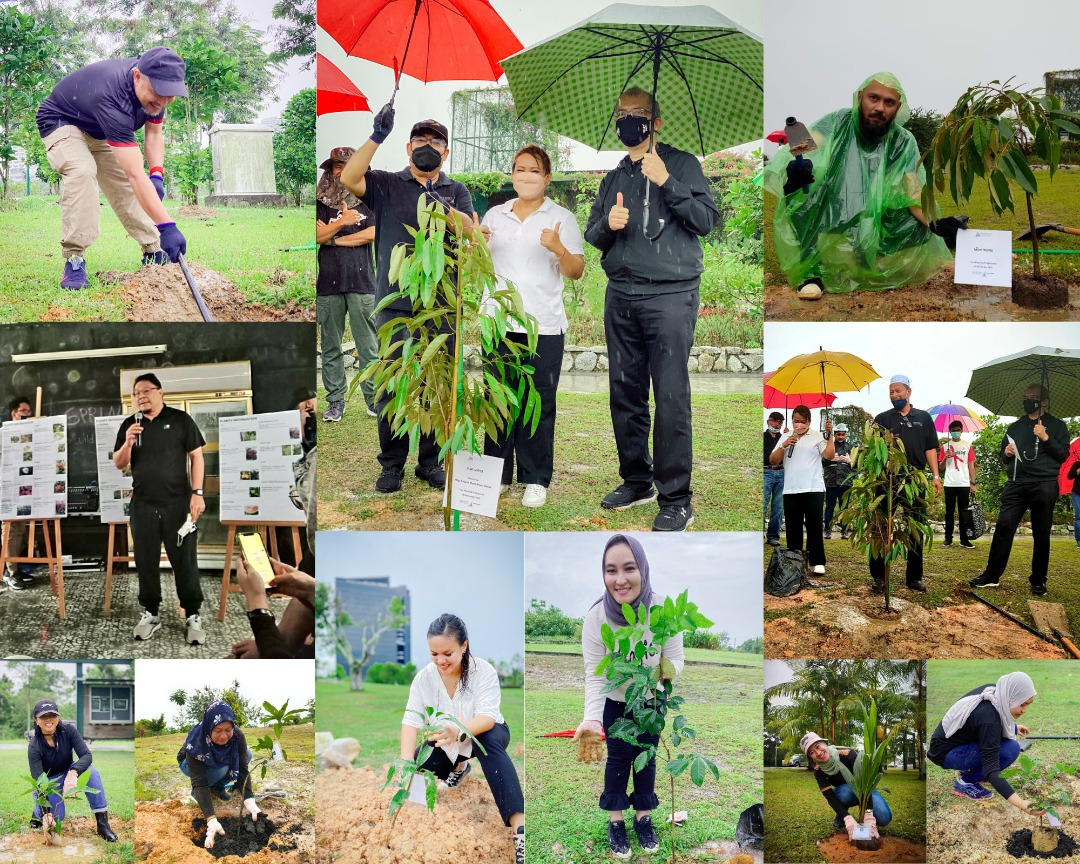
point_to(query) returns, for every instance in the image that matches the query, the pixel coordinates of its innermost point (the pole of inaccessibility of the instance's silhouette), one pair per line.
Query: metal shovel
(1051, 617)
(194, 290)
(1052, 226)
(800, 142)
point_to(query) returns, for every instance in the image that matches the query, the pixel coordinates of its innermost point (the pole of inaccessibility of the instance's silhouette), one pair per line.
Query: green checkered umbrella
(704, 69)
(1000, 384)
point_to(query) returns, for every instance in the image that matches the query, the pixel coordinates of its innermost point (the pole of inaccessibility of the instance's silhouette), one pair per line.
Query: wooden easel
(269, 535)
(111, 559)
(54, 562)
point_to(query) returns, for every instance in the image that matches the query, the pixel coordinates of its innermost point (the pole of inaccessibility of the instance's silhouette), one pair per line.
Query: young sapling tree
(45, 787)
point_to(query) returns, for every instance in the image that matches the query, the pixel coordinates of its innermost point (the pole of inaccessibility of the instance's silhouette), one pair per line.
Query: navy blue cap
(45, 706)
(165, 69)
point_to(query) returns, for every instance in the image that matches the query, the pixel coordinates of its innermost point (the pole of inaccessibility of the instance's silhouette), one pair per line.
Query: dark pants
(967, 759)
(833, 494)
(1040, 498)
(958, 497)
(649, 339)
(620, 763)
(498, 770)
(804, 509)
(152, 525)
(394, 450)
(914, 571)
(535, 452)
(94, 791)
(773, 503)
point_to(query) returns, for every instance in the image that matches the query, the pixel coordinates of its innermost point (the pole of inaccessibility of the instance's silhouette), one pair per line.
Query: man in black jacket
(837, 478)
(1033, 449)
(653, 261)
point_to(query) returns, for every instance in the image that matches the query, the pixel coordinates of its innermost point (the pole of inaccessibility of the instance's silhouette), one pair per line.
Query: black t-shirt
(57, 759)
(392, 196)
(159, 462)
(770, 444)
(345, 269)
(100, 100)
(983, 726)
(916, 430)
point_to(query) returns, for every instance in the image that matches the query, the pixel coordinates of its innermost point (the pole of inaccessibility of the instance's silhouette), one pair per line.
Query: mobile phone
(251, 545)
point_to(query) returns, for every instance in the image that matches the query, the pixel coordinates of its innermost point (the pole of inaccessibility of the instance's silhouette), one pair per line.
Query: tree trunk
(356, 681)
(1034, 238)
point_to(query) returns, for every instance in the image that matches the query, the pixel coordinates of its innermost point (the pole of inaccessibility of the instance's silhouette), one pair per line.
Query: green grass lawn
(701, 655)
(797, 815)
(726, 484)
(373, 717)
(243, 244)
(724, 707)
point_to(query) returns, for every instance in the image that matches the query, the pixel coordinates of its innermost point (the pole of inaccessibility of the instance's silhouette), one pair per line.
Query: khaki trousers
(86, 164)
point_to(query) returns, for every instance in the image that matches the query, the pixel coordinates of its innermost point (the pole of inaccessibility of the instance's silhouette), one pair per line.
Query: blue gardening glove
(159, 185)
(800, 172)
(173, 242)
(383, 124)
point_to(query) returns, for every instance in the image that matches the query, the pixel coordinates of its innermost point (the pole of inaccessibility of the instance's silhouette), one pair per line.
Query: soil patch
(1049, 292)
(1019, 846)
(973, 831)
(194, 211)
(381, 514)
(79, 842)
(244, 837)
(838, 848)
(351, 823)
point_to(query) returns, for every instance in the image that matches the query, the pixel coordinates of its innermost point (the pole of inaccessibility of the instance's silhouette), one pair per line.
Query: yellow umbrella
(823, 372)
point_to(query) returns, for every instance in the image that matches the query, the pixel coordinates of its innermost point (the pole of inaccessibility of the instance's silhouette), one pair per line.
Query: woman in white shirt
(534, 244)
(626, 580)
(467, 687)
(804, 484)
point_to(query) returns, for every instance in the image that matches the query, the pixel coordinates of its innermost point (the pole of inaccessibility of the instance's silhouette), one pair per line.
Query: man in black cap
(772, 505)
(88, 125)
(392, 196)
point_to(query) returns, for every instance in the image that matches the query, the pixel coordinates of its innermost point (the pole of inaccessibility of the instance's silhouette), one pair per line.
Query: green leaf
(641, 760)
(430, 790)
(628, 614)
(697, 771)
(608, 635)
(1022, 173)
(980, 135)
(602, 666)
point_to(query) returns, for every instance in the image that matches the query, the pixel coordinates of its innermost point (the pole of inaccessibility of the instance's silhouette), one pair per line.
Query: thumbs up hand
(349, 217)
(618, 215)
(549, 239)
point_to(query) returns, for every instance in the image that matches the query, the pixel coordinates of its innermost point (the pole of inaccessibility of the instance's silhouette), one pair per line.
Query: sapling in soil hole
(45, 787)
(270, 749)
(867, 773)
(649, 700)
(1037, 784)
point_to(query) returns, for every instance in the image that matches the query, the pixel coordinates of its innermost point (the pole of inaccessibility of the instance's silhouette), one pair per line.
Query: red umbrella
(777, 137)
(430, 40)
(1065, 485)
(336, 90)
(773, 398)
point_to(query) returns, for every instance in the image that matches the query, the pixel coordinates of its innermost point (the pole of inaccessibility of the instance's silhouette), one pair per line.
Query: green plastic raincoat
(854, 230)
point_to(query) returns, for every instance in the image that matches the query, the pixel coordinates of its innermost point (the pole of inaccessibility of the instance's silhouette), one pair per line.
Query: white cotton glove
(252, 808)
(849, 824)
(213, 828)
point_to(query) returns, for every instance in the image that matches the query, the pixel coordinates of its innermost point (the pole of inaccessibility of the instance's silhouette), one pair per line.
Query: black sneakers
(673, 517)
(519, 846)
(433, 475)
(1038, 589)
(646, 836)
(389, 480)
(917, 586)
(616, 838)
(985, 581)
(455, 777)
(628, 496)
(877, 586)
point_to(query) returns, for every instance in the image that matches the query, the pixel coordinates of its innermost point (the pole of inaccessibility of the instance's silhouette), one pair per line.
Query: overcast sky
(292, 79)
(476, 576)
(721, 570)
(531, 22)
(938, 358)
(816, 56)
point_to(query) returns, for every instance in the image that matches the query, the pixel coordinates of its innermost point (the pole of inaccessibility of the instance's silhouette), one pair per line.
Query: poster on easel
(257, 454)
(114, 484)
(34, 468)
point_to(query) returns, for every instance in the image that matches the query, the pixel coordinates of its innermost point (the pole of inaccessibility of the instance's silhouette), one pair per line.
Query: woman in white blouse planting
(467, 687)
(626, 580)
(534, 244)
(804, 484)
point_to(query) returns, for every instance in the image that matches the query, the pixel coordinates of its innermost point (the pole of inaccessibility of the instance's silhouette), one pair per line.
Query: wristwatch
(260, 613)
(463, 737)
(198, 492)
(332, 241)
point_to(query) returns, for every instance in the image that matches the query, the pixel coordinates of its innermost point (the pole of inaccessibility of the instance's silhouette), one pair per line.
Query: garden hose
(1048, 251)
(1015, 620)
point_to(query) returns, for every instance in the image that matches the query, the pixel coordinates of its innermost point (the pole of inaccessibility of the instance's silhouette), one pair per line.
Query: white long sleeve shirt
(593, 650)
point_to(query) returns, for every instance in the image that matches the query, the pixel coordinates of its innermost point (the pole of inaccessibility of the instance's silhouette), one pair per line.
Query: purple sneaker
(334, 412)
(74, 276)
(971, 790)
(158, 257)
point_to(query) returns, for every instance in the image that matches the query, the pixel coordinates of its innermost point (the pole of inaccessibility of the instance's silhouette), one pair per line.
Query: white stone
(601, 363)
(706, 362)
(567, 362)
(585, 361)
(692, 363)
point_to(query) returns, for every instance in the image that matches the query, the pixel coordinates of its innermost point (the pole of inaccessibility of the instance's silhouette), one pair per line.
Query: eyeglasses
(640, 113)
(145, 392)
(437, 144)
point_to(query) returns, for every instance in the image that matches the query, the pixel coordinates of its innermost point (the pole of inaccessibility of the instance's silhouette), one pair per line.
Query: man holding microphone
(157, 443)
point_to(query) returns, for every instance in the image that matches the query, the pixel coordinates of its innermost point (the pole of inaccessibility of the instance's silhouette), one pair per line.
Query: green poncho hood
(854, 230)
(833, 765)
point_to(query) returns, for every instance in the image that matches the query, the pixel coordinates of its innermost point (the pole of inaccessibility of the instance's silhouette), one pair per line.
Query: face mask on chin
(632, 130)
(426, 158)
(898, 404)
(774, 430)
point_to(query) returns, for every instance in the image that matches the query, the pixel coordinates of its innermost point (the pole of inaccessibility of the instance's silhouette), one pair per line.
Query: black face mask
(1031, 406)
(632, 130)
(426, 158)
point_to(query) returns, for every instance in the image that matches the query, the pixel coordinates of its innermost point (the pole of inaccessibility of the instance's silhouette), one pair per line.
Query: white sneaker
(193, 630)
(819, 570)
(503, 489)
(535, 495)
(148, 625)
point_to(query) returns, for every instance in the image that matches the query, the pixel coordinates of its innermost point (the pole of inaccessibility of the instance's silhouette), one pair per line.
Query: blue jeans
(96, 800)
(879, 805)
(772, 503)
(1076, 516)
(214, 776)
(967, 759)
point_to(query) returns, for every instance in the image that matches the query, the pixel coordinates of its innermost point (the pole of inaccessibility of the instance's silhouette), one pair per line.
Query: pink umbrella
(1065, 485)
(773, 398)
(945, 415)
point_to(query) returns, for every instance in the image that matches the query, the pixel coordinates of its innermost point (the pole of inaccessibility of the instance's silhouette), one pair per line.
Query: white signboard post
(114, 484)
(257, 456)
(984, 258)
(34, 468)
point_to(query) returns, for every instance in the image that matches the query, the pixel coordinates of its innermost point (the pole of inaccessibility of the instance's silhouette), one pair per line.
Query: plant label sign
(1053, 820)
(475, 487)
(417, 791)
(983, 258)
(862, 832)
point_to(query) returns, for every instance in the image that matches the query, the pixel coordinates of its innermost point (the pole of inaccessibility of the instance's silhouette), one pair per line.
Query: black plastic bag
(784, 575)
(978, 520)
(751, 827)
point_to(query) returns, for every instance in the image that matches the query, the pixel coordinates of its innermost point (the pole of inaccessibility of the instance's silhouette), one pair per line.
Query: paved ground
(30, 624)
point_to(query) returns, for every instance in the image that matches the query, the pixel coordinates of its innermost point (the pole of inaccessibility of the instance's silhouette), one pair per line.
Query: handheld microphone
(138, 418)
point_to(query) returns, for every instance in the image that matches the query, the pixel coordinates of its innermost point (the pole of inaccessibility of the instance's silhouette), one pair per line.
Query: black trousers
(620, 763)
(804, 509)
(152, 525)
(649, 339)
(498, 769)
(914, 571)
(535, 452)
(959, 498)
(833, 496)
(394, 450)
(1040, 498)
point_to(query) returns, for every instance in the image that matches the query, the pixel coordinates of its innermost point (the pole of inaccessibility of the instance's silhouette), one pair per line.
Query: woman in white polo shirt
(534, 244)
(804, 484)
(457, 682)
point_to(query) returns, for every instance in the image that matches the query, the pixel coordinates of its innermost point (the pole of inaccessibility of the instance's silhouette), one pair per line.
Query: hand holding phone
(254, 552)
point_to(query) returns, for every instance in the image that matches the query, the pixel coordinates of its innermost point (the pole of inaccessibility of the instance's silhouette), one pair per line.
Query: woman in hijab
(626, 580)
(977, 738)
(50, 752)
(834, 767)
(215, 756)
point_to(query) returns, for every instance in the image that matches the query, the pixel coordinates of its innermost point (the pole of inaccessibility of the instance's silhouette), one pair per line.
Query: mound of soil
(856, 626)
(1019, 846)
(895, 850)
(1049, 292)
(244, 837)
(966, 832)
(352, 823)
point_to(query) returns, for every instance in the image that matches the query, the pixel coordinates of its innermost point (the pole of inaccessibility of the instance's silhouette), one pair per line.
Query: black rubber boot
(104, 831)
